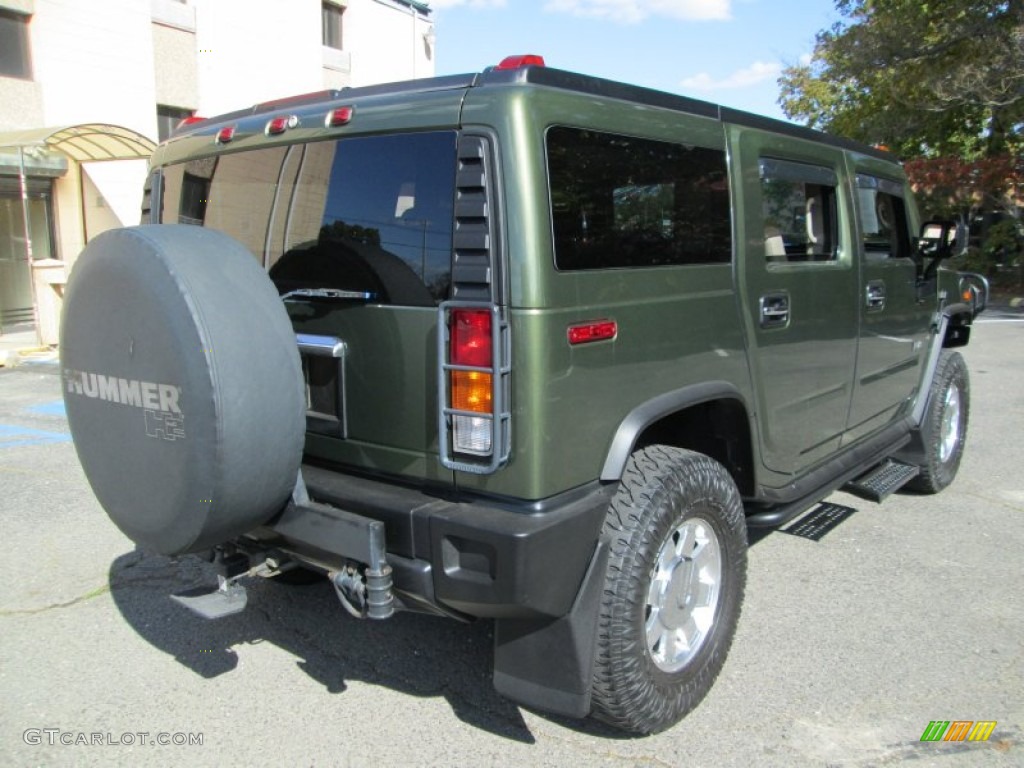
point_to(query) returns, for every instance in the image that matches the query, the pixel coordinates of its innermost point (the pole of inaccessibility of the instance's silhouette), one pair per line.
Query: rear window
(366, 215)
(621, 201)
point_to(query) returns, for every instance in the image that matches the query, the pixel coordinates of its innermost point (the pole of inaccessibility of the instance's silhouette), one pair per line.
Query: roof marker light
(281, 123)
(339, 116)
(524, 60)
(226, 134)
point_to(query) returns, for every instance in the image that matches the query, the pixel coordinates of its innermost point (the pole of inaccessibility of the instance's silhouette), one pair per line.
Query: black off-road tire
(665, 491)
(944, 428)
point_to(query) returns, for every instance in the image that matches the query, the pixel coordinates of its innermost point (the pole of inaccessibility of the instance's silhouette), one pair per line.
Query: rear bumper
(470, 557)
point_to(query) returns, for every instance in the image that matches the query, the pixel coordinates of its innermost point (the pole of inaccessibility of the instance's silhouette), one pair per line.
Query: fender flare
(655, 409)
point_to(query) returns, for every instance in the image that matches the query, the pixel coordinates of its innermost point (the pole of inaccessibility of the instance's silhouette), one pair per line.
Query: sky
(727, 51)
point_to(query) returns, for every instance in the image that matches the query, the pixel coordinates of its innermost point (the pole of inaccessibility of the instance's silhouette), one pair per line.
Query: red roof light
(340, 116)
(281, 124)
(226, 134)
(523, 60)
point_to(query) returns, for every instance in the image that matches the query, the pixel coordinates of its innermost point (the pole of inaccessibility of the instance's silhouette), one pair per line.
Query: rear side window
(799, 212)
(882, 212)
(620, 201)
(370, 216)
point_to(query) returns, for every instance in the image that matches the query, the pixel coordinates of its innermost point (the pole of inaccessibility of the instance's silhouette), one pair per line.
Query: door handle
(774, 310)
(874, 295)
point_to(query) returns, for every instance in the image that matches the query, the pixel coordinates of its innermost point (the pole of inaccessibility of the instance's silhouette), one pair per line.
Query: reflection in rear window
(367, 215)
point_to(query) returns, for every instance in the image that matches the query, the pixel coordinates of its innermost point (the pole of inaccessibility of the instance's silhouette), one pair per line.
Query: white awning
(85, 143)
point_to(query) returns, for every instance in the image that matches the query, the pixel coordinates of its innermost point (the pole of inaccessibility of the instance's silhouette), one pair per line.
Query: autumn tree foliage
(939, 82)
(925, 78)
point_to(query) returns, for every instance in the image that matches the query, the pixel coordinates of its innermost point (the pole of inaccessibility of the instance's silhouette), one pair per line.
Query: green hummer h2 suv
(521, 345)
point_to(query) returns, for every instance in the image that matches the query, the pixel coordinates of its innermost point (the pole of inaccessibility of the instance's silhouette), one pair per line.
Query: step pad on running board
(887, 477)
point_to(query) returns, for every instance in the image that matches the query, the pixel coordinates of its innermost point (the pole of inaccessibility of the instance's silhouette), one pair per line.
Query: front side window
(620, 201)
(370, 216)
(14, 46)
(883, 218)
(799, 212)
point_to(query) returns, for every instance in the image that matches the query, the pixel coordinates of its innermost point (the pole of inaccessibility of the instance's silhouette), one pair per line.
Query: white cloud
(435, 4)
(758, 72)
(634, 11)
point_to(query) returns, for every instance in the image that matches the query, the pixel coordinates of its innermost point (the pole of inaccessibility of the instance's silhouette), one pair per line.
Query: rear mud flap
(548, 665)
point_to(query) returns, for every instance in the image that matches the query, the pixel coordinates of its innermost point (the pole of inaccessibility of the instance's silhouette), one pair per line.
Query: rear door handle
(775, 310)
(874, 295)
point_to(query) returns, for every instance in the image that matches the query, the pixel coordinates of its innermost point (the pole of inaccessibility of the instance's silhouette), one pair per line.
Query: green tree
(925, 78)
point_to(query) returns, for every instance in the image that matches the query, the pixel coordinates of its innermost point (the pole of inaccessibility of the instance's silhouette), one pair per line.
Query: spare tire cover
(183, 385)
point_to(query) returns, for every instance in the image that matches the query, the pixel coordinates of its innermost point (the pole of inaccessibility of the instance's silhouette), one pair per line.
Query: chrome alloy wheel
(951, 424)
(683, 596)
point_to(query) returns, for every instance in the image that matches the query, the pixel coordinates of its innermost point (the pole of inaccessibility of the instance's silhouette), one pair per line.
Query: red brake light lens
(224, 135)
(518, 62)
(471, 338)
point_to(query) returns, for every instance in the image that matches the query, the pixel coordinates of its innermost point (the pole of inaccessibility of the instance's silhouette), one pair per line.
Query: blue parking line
(55, 408)
(12, 436)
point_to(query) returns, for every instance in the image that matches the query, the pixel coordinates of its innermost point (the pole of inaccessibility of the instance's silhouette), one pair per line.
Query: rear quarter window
(620, 201)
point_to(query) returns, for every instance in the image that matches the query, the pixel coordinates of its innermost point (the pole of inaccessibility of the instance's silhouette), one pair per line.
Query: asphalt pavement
(848, 648)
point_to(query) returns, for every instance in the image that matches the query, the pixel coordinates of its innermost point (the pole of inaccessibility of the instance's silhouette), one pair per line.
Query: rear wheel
(944, 429)
(673, 588)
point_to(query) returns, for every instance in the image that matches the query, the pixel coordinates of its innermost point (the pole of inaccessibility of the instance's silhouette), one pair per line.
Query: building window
(14, 47)
(331, 16)
(167, 119)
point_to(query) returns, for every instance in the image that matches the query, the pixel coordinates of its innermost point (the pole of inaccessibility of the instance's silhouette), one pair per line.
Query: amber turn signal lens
(471, 391)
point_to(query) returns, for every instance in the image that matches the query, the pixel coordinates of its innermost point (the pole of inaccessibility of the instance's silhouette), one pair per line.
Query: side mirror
(942, 239)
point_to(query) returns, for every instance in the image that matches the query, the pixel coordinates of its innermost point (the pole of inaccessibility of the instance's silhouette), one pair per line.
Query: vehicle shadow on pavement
(411, 653)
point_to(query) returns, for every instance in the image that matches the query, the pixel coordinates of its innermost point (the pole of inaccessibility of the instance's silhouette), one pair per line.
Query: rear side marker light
(225, 135)
(281, 124)
(339, 116)
(518, 62)
(598, 330)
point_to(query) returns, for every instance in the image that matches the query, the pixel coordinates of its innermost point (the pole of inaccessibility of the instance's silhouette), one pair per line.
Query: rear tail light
(472, 345)
(226, 134)
(474, 422)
